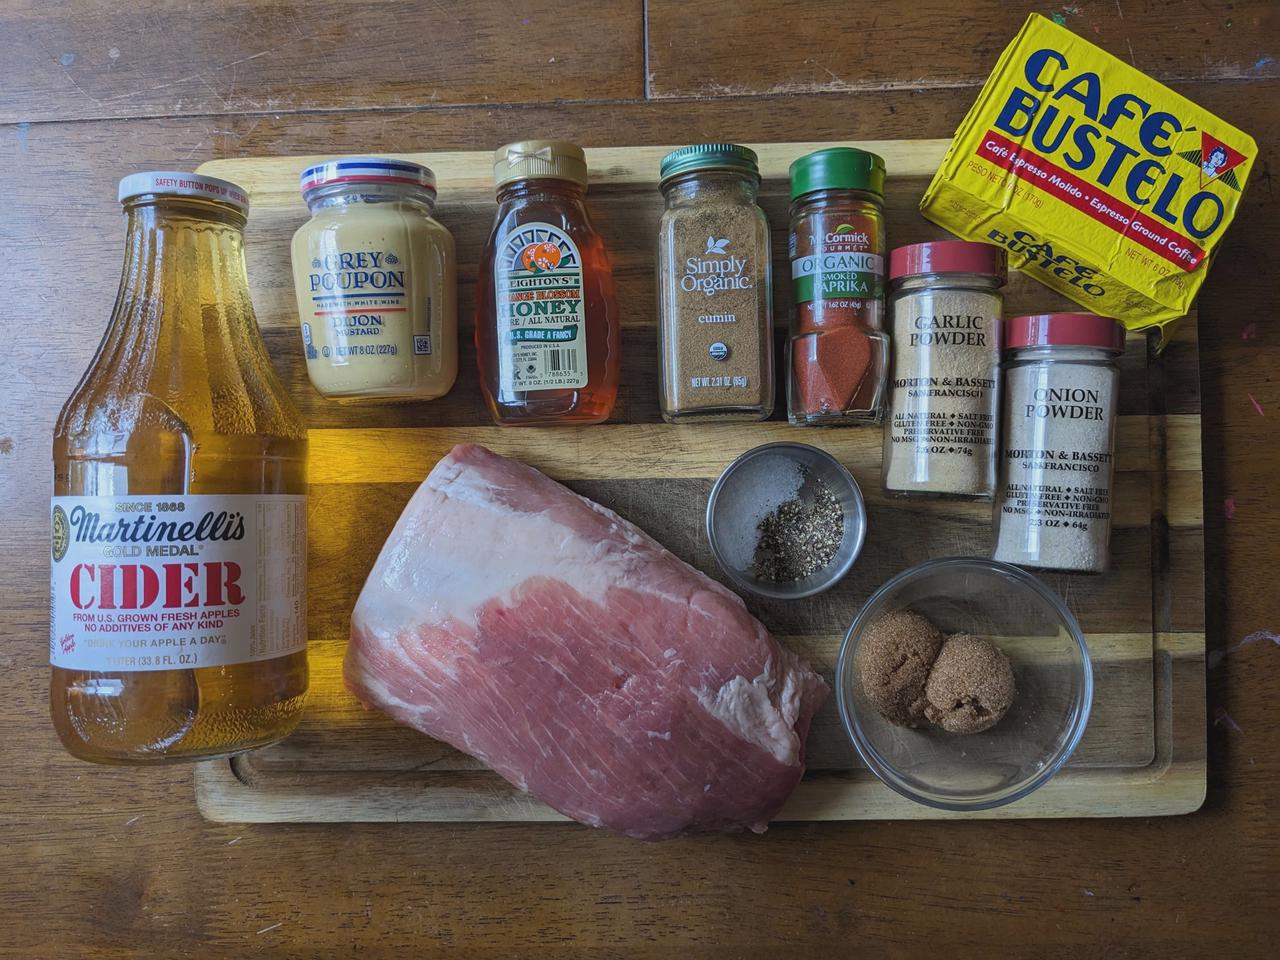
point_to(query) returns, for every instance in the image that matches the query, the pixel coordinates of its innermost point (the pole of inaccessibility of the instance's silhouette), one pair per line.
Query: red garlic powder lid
(947, 256)
(1064, 330)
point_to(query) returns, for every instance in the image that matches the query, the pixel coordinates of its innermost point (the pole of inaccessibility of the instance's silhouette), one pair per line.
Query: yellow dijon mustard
(1100, 182)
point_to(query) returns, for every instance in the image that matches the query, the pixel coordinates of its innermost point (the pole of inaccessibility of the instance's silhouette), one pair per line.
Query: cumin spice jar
(715, 303)
(838, 352)
(944, 411)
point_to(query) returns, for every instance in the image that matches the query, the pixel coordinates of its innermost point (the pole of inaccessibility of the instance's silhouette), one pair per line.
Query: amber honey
(548, 334)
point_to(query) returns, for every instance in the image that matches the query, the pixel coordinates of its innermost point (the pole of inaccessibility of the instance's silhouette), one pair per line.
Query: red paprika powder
(838, 350)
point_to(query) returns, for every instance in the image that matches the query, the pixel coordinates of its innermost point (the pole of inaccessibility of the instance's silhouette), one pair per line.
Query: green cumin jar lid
(838, 168)
(709, 156)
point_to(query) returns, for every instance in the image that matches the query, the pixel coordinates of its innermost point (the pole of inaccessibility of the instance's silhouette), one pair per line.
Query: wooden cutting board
(1144, 751)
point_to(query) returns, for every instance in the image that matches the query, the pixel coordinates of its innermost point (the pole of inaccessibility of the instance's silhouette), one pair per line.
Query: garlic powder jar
(944, 411)
(376, 282)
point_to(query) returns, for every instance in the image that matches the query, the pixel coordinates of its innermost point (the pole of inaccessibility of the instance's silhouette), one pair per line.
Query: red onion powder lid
(947, 256)
(1064, 330)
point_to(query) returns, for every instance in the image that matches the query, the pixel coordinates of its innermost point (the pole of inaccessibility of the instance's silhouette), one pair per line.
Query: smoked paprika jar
(838, 352)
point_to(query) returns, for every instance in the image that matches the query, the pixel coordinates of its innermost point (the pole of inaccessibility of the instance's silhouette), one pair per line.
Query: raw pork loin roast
(574, 655)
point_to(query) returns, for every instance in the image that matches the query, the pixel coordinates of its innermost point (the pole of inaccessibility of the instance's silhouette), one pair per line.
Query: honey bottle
(548, 336)
(178, 613)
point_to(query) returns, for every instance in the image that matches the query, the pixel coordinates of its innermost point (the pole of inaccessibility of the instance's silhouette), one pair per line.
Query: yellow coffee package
(1099, 181)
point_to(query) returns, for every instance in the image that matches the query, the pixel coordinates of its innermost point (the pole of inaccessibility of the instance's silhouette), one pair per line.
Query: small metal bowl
(733, 491)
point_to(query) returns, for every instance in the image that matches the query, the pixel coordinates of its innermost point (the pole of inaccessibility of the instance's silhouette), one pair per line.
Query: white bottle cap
(174, 183)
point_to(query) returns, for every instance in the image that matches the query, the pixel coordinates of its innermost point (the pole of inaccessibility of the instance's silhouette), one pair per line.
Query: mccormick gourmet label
(837, 271)
(542, 336)
(176, 582)
(1100, 182)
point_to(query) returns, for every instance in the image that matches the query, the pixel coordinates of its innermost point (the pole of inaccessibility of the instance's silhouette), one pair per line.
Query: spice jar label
(542, 339)
(718, 311)
(1055, 498)
(172, 582)
(838, 268)
(945, 401)
(838, 350)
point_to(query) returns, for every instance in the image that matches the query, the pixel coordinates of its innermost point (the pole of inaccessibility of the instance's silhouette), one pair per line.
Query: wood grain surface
(857, 47)
(118, 863)
(348, 764)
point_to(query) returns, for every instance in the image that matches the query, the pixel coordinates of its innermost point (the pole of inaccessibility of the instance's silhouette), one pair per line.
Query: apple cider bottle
(178, 584)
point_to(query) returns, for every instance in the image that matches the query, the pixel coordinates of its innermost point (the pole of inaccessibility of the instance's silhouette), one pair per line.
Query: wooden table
(117, 863)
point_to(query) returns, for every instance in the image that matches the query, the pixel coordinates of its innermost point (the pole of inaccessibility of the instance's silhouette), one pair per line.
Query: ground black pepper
(801, 536)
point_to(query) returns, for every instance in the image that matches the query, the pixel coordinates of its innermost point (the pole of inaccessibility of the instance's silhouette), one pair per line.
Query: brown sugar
(915, 677)
(893, 661)
(970, 687)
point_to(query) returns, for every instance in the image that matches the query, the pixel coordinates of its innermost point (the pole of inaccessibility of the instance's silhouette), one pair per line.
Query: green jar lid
(838, 168)
(709, 156)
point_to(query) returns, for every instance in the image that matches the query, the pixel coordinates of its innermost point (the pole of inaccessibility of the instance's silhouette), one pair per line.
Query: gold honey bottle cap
(530, 159)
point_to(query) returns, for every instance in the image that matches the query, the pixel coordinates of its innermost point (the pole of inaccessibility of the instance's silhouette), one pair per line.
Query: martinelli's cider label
(176, 582)
(542, 337)
(1100, 182)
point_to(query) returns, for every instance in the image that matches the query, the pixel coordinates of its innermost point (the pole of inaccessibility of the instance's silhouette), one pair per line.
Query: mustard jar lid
(371, 170)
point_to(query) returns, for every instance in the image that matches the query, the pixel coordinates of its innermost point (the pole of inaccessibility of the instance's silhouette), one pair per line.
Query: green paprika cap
(838, 168)
(709, 156)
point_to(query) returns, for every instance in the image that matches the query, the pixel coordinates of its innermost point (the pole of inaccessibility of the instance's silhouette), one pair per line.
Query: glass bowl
(1052, 671)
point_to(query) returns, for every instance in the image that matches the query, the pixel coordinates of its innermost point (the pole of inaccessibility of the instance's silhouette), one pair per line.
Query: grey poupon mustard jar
(376, 282)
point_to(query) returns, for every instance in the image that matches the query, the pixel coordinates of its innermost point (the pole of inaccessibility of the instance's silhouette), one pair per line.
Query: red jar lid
(1064, 330)
(947, 256)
